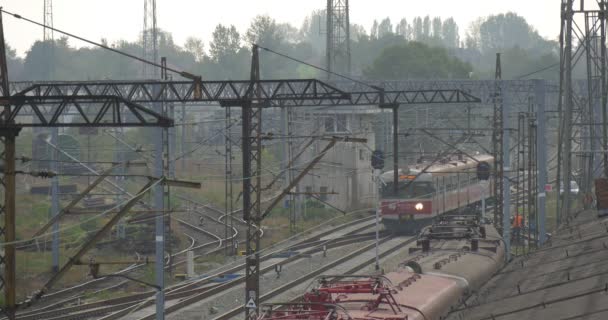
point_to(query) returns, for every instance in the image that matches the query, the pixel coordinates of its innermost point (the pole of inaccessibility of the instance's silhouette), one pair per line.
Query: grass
(34, 210)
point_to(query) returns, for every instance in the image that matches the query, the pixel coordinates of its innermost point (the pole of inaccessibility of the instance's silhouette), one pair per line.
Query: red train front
(445, 187)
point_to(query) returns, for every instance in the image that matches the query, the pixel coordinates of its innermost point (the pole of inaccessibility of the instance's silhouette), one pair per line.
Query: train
(451, 260)
(430, 189)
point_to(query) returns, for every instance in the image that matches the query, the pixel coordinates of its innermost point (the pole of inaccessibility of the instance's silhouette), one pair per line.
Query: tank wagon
(451, 259)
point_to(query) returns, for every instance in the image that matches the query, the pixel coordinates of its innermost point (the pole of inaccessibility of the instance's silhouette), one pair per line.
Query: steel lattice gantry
(19, 111)
(100, 103)
(582, 41)
(338, 53)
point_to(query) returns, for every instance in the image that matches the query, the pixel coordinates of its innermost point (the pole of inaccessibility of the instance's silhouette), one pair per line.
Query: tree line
(423, 48)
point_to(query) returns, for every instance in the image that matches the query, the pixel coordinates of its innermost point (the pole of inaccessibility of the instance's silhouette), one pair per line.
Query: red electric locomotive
(443, 188)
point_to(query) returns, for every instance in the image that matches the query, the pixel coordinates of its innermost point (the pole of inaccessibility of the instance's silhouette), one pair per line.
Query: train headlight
(419, 206)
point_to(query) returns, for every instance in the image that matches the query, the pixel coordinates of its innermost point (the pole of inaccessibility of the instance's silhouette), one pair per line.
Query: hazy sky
(123, 19)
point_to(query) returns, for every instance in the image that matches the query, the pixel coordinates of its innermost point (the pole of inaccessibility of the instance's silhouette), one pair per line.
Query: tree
(374, 31)
(14, 64)
(289, 33)
(385, 28)
(226, 42)
(402, 29)
(196, 47)
(418, 34)
(426, 28)
(504, 31)
(264, 31)
(311, 30)
(357, 32)
(437, 30)
(451, 38)
(416, 60)
(472, 39)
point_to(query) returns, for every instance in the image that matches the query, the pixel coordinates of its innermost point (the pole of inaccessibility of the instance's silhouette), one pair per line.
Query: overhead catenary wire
(317, 67)
(103, 213)
(97, 44)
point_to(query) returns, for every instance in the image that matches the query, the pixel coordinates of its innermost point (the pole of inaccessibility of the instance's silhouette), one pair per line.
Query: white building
(343, 178)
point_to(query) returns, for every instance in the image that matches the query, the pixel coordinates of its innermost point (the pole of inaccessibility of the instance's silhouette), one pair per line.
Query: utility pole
(591, 39)
(150, 39)
(48, 40)
(338, 57)
(7, 182)
(252, 169)
(150, 47)
(497, 145)
(229, 201)
(566, 116)
(506, 168)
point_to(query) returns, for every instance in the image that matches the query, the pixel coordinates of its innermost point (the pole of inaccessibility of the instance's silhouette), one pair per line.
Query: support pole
(506, 183)
(9, 276)
(567, 115)
(603, 15)
(541, 164)
(55, 201)
(160, 219)
(7, 181)
(252, 165)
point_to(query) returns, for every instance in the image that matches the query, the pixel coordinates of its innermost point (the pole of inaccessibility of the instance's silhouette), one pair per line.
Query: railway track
(71, 295)
(389, 244)
(97, 309)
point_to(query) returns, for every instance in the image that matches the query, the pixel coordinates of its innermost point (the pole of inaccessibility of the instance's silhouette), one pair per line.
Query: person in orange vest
(517, 224)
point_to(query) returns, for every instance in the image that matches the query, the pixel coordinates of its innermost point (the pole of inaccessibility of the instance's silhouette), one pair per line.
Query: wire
(317, 67)
(181, 73)
(538, 71)
(118, 206)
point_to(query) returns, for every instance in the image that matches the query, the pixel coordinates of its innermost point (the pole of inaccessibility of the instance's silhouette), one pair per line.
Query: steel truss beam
(290, 92)
(78, 111)
(293, 92)
(250, 95)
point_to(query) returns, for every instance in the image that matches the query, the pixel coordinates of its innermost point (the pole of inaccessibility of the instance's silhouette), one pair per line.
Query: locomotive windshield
(408, 190)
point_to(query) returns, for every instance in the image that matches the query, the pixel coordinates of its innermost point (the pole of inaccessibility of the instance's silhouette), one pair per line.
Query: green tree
(385, 28)
(426, 28)
(418, 34)
(416, 60)
(403, 29)
(437, 30)
(374, 31)
(196, 47)
(504, 31)
(14, 64)
(265, 31)
(226, 43)
(451, 38)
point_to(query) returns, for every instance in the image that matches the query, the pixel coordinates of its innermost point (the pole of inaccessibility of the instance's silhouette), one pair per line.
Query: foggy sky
(123, 19)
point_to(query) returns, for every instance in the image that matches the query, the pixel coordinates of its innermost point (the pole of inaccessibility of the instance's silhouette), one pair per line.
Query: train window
(409, 190)
(422, 190)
